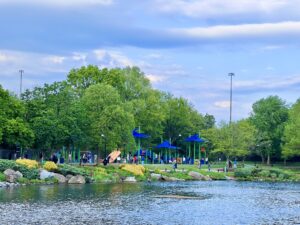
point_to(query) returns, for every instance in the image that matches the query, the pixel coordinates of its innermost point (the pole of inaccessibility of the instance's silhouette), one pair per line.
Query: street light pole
(21, 79)
(231, 75)
(103, 136)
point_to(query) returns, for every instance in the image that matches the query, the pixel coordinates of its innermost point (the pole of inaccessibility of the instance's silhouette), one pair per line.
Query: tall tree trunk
(268, 159)
(284, 161)
(262, 158)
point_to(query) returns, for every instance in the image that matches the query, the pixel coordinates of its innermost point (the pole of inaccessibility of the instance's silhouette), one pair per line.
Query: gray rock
(78, 179)
(68, 177)
(12, 176)
(198, 176)
(60, 178)
(8, 172)
(229, 178)
(155, 176)
(44, 174)
(18, 174)
(130, 179)
(165, 178)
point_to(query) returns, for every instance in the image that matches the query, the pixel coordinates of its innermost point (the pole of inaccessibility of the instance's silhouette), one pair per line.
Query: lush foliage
(65, 169)
(50, 166)
(137, 170)
(292, 133)
(2, 177)
(97, 109)
(28, 163)
(269, 117)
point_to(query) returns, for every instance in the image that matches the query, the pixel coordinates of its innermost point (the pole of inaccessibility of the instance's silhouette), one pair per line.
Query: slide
(114, 155)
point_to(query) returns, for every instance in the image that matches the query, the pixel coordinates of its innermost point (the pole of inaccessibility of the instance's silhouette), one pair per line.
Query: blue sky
(187, 47)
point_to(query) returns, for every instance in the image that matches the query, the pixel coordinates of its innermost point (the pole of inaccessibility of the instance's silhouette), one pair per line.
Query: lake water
(217, 203)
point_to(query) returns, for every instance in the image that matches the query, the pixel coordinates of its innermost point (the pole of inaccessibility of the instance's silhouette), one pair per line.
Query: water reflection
(218, 202)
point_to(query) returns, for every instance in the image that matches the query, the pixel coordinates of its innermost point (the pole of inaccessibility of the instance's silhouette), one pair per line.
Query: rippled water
(218, 202)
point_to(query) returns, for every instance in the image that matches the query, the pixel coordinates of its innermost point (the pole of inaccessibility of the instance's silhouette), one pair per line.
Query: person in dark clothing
(54, 158)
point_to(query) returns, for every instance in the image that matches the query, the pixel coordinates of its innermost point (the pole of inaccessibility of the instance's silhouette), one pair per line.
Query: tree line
(95, 107)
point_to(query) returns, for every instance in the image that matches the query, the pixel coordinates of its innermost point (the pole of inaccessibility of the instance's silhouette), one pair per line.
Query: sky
(186, 47)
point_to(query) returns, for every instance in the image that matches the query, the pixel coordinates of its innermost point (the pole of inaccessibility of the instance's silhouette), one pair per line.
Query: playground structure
(162, 153)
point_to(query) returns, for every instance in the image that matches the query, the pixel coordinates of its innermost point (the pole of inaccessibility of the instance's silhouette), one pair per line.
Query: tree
(291, 145)
(13, 129)
(269, 116)
(106, 115)
(232, 140)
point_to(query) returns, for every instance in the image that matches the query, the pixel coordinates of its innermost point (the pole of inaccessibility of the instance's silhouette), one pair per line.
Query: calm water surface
(218, 202)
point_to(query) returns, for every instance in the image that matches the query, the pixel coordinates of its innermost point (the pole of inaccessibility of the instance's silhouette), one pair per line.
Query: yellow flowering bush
(50, 166)
(28, 163)
(137, 170)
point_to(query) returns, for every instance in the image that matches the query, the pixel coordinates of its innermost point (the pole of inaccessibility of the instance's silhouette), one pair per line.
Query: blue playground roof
(166, 144)
(136, 134)
(194, 138)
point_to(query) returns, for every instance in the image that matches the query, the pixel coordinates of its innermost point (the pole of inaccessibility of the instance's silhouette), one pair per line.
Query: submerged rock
(198, 176)
(78, 179)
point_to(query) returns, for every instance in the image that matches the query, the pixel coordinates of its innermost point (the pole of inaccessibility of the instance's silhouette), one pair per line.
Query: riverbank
(30, 172)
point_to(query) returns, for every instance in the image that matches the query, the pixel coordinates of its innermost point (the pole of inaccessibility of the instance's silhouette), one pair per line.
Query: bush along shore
(25, 171)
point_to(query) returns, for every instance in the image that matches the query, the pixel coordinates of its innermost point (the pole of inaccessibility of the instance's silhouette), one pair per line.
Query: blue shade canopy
(166, 144)
(194, 138)
(136, 134)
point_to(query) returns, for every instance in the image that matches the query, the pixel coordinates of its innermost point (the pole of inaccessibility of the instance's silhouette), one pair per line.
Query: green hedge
(65, 169)
(11, 164)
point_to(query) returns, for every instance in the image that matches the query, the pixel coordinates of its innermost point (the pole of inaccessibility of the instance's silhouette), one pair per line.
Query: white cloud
(58, 3)
(112, 58)
(240, 31)
(6, 57)
(154, 56)
(282, 82)
(218, 8)
(156, 78)
(77, 56)
(55, 59)
(222, 104)
(272, 47)
(270, 68)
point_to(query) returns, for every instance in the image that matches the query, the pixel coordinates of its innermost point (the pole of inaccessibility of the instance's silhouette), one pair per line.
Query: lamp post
(21, 79)
(231, 75)
(103, 136)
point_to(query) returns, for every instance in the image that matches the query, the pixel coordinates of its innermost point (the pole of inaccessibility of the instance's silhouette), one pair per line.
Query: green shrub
(7, 164)
(72, 170)
(29, 173)
(2, 177)
(264, 173)
(23, 180)
(255, 172)
(243, 172)
(273, 175)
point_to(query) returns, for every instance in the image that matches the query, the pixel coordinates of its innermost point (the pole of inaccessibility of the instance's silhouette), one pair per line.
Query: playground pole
(139, 145)
(194, 152)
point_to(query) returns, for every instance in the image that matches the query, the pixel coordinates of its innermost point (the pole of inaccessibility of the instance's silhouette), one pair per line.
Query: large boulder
(60, 178)
(12, 176)
(155, 176)
(78, 179)
(44, 174)
(165, 178)
(198, 176)
(68, 177)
